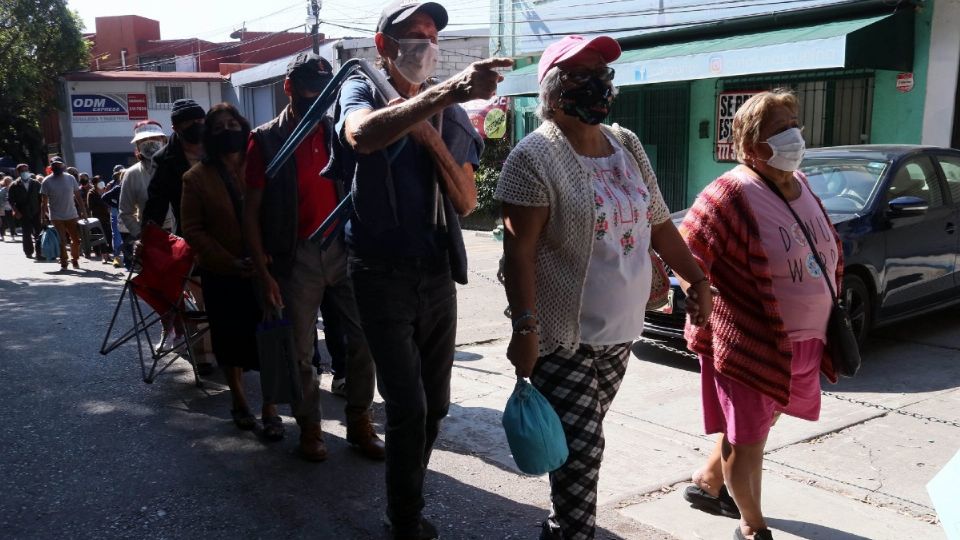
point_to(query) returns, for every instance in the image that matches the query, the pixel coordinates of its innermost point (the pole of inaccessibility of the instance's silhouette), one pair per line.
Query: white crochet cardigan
(544, 170)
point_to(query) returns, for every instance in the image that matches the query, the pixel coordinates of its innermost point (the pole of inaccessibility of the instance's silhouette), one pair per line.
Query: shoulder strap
(806, 233)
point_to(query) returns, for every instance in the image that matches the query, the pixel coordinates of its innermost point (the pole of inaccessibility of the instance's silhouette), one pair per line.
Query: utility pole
(315, 31)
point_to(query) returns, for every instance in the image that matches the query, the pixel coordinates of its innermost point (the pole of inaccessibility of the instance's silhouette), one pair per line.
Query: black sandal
(762, 534)
(722, 504)
(243, 419)
(272, 428)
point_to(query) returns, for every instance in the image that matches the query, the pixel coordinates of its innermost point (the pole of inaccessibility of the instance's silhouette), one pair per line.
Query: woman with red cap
(581, 208)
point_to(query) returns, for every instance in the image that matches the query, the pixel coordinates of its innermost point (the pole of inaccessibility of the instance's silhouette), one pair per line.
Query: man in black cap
(411, 182)
(184, 150)
(295, 274)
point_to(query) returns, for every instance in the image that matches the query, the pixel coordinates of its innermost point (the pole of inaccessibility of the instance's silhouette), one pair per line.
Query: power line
(222, 47)
(171, 46)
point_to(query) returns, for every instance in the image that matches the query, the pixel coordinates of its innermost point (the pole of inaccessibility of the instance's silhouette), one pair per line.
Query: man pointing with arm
(411, 181)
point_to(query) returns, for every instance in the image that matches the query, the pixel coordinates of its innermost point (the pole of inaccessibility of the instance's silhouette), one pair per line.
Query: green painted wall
(898, 116)
(702, 168)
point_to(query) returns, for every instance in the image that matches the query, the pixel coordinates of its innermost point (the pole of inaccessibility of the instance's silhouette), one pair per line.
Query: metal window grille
(836, 107)
(162, 95)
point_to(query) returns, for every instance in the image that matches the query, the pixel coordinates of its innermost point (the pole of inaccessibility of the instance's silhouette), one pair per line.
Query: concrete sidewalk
(92, 452)
(860, 472)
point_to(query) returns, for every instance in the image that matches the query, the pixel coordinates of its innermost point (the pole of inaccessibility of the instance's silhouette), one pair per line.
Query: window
(917, 178)
(163, 95)
(835, 109)
(951, 171)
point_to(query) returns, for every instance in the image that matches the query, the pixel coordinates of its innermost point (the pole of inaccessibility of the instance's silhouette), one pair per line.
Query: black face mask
(302, 104)
(589, 102)
(227, 142)
(57, 169)
(192, 134)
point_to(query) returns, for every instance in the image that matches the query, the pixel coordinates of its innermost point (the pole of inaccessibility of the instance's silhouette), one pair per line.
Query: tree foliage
(39, 41)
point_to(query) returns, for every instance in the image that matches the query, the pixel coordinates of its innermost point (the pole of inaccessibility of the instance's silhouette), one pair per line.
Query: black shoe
(425, 531)
(549, 532)
(722, 505)
(762, 534)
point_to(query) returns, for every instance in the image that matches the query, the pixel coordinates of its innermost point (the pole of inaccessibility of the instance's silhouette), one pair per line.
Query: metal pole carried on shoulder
(313, 117)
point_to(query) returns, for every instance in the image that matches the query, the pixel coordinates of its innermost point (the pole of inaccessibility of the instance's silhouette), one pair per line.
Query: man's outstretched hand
(479, 80)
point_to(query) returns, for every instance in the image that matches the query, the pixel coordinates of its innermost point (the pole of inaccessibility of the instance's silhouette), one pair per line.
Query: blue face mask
(24, 176)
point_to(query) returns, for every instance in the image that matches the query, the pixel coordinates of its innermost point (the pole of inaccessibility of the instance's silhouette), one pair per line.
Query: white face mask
(416, 59)
(788, 148)
(149, 148)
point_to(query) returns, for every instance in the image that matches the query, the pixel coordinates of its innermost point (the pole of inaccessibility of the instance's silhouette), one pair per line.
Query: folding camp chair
(161, 279)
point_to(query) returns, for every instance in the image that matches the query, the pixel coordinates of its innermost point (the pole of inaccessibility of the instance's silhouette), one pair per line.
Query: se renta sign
(727, 105)
(98, 107)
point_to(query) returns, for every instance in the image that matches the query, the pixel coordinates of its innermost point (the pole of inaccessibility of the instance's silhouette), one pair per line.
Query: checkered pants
(580, 385)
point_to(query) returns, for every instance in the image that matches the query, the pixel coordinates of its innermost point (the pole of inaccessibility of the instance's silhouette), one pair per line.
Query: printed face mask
(149, 148)
(590, 101)
(416, 59)
(788, 148)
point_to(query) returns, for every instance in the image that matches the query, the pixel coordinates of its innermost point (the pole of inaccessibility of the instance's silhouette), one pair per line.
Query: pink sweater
(745, 335)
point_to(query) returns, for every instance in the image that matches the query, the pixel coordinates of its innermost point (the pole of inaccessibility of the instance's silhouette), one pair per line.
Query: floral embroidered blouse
(618, 273)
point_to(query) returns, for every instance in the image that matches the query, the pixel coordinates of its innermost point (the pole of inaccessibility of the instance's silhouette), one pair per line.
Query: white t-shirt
(617, 286)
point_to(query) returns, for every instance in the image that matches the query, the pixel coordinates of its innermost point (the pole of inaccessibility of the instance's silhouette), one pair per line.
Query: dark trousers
(30, 228)
(335, 336)
(408, 308)
(316, 275)
(7, 222)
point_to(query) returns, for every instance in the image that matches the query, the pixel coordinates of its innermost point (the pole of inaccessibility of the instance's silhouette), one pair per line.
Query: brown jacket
(209, 222)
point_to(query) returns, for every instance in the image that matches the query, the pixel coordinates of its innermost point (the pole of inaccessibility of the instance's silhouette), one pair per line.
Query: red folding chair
(161, 279)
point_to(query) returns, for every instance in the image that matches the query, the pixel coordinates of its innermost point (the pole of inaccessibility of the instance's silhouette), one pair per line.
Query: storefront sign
(108, 107)
(904, 82)
(727, 105)
(136, 106)
(489, 116)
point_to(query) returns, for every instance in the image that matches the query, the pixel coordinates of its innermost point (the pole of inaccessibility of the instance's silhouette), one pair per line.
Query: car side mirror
(907, 206)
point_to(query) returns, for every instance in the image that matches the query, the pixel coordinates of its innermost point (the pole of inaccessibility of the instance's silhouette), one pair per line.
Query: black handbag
(841, 341)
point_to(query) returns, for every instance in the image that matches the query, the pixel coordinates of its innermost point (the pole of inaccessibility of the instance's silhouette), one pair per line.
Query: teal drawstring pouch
(534, 431)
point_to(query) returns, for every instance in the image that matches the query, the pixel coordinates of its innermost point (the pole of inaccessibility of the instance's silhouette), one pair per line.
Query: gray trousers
(315, 274)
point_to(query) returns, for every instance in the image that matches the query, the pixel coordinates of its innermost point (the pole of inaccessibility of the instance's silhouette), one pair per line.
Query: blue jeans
(408, 309)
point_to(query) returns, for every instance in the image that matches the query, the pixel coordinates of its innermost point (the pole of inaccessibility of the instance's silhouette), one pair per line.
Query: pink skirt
(745, 415)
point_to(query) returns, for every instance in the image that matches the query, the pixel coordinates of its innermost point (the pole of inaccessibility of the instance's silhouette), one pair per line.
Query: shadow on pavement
(90, 451)
(811, 530)
(659, 352)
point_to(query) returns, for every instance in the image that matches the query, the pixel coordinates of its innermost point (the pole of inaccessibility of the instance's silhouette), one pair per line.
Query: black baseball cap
(400, 10)
(310, 71)
(56, 159)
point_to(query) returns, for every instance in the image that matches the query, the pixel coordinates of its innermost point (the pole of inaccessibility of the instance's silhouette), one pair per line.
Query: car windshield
(843, 184)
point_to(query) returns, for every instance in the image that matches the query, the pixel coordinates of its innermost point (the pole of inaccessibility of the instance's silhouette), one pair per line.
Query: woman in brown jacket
(211, 206)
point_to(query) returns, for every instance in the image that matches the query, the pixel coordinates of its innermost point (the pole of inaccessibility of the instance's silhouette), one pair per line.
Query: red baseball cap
(571, 46)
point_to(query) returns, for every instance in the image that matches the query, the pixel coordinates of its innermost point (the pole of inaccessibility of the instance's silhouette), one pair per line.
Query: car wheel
(856, 297)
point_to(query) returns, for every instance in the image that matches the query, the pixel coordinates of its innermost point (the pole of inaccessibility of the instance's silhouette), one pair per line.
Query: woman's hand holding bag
(534, 431)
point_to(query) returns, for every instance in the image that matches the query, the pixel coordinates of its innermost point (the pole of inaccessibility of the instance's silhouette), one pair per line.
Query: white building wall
(456, 53)
(942, 71)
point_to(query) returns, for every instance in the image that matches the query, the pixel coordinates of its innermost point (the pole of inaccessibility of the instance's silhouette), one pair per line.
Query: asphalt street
(88, 450)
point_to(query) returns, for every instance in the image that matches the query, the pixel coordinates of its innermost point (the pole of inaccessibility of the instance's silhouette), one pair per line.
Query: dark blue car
(896, 209)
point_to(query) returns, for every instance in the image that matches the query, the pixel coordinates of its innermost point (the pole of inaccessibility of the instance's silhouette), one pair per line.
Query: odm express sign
(107, 107)
(727, 105)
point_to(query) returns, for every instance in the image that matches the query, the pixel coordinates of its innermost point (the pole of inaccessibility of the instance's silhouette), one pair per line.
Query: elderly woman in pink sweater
(762, 350)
